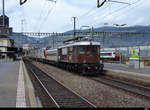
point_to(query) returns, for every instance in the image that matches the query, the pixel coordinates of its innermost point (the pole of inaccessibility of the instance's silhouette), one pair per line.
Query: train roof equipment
(79, 41)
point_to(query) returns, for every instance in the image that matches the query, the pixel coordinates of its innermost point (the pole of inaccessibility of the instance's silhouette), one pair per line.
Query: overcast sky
(35, 15)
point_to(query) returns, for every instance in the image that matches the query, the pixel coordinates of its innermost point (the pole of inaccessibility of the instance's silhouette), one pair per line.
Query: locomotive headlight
(89, 67)
(84, 61)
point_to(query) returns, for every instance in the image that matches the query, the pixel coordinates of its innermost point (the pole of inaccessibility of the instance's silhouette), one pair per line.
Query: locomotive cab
(88, 54)
(89, 59)
(83, 56)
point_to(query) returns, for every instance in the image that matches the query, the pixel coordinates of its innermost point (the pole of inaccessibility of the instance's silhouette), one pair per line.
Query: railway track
(127, 86)
(57, 92)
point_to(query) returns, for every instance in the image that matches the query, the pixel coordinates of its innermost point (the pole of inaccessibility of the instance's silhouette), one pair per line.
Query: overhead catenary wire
(140, 2)
(43, 7)
(88, 13)
(117, 10)
(45, 19)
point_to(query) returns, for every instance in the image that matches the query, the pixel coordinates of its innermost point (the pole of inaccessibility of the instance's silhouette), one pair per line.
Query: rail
(59, 93)
(127, 86)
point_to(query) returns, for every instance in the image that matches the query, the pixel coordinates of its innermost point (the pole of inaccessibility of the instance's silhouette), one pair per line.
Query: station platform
(124, 72)
(16, 89)
(123, 67)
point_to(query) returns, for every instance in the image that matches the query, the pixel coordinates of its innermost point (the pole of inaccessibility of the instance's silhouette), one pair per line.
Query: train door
(81, 54)
(75, 54)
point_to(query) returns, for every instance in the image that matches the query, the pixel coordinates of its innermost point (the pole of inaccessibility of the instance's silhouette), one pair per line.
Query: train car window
(81, 50)
(105, 54)
(64, 51)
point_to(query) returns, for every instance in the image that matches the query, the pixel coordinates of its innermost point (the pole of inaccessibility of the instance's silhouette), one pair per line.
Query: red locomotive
(77, 54)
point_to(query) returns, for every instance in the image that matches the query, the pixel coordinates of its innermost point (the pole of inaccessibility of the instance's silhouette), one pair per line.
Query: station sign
(134, 52)
(5, 31)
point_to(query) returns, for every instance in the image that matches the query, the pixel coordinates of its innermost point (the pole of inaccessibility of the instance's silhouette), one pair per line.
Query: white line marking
(20, 98)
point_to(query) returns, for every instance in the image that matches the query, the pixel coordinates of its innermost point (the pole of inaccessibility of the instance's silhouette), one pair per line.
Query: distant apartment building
(27, 47)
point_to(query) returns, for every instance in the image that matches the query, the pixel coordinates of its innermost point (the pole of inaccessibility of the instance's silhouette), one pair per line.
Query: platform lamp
(117, 25)
(91, 30)
(103, 36)
(84, 26)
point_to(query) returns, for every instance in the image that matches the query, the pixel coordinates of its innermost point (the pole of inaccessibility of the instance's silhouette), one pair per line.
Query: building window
(1, 43)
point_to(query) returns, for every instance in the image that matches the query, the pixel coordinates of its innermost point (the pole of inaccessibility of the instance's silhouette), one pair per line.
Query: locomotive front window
(88, 52)
(92, 50)
(81, 50)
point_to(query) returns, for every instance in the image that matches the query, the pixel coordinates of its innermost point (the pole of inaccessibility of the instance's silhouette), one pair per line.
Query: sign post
(134, 58)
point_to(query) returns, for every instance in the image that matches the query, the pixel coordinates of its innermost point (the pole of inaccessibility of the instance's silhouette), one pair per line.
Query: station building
(5, 44)
(27, 48)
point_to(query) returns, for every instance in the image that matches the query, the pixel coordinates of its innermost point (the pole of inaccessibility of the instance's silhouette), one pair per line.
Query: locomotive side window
(92, 50)
(74, 50)
(81, 50)
(64, 51)
(70, 50)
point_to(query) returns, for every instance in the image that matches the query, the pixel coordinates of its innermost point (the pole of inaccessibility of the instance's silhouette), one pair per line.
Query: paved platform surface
(123, 67)
(9, 72)
(16, 88)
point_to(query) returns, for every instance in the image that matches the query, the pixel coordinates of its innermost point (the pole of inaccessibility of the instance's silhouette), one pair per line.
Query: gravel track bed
(39, 91)
(99, 94)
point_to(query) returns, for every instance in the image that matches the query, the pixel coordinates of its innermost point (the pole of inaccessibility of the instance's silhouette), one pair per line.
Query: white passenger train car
(52, 55)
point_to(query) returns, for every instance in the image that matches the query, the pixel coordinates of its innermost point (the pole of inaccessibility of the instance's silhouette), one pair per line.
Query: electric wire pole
(22, 30)
(3, 13)
(74, 19)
